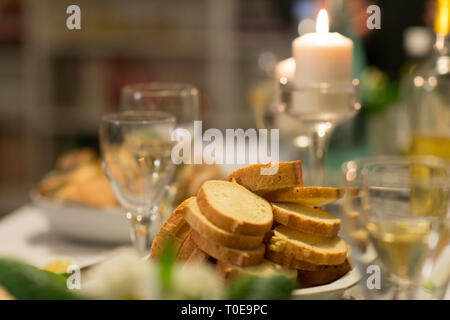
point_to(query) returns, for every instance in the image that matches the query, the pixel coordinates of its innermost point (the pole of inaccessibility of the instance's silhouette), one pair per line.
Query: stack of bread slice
(258, 223)
(307, 237)
(225, 221)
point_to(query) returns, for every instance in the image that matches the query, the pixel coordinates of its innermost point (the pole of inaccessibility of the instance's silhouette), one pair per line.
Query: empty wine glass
(179, 99)
(396, 224)
(136, 152)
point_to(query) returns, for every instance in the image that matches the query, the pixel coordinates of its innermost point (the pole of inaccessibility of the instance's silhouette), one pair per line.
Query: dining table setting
(164, 206)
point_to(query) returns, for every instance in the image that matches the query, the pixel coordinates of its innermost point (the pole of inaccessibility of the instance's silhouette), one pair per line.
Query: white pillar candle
(322, 56)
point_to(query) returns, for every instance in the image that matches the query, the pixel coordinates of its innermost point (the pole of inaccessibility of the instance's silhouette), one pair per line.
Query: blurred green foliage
(377, 90)
(25, 282)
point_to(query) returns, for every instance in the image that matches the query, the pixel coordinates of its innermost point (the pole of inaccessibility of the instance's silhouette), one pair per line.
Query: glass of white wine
(396, 226)
(136, 152)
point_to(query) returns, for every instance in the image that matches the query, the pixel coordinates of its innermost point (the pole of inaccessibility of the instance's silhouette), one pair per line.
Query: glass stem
(403, 289)
(318, 147)
(140, 230)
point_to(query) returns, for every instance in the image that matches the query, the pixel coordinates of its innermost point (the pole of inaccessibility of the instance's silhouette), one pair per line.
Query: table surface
(26, 235)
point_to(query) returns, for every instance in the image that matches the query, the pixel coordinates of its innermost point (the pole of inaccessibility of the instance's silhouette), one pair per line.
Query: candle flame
(322, 22)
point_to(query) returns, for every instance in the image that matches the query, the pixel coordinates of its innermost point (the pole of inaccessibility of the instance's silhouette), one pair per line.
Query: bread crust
(324, 275)
(214, 233)
(240, 258)
(289, 262)
(280, 243)
(175, 227)
(227, 222)
(305, 224)
(289, 175)
(312, 196)
(190, 252)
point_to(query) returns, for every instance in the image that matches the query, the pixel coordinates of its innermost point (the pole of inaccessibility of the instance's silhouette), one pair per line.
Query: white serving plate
(84, 223)
(331, 291)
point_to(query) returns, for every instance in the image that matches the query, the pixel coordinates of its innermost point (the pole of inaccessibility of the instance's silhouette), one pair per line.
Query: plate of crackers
(78, 201)
(261, 225)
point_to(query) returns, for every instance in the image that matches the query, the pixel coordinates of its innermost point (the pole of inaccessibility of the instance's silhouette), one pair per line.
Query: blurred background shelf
(55, 83)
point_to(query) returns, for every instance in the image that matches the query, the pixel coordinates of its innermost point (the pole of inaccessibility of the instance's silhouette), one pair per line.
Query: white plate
(331, 291)
(84, 223)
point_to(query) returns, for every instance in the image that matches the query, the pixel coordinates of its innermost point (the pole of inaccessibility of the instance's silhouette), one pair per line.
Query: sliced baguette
(324, 275)
(241, 258)
(175, 228)
(289, 262)
(266, 269)
(309, 196)
(289, 174)
(190, 252)
(210, 231)
(306, 219)
(232, 207)
(307, 247)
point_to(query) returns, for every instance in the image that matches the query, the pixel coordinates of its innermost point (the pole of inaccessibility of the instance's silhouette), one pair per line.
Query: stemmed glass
(317, 108)
(179, 99)
(395, 224)
(136, 152)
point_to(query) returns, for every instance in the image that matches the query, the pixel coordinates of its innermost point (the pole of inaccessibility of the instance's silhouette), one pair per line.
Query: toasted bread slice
(242, 258)
(308, 247)
(289, 262)
(309, 196)
(175, 228)
(232, 207)
(306, 219)
(289, 174)
(210, 231)
(193, 176)
(95, 191)
(324, 275)
(190, 252)
(266, 269)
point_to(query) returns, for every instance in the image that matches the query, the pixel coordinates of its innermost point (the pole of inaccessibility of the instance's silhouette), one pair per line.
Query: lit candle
(322, 56)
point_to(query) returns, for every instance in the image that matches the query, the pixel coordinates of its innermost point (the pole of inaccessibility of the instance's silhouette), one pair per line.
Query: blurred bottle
(429, 108)
(418, 45)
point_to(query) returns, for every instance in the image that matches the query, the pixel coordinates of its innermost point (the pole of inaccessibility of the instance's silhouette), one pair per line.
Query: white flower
(123, 276)
(195, 281)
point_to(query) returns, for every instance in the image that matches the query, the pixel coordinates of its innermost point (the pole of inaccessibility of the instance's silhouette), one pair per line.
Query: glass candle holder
(318, 108)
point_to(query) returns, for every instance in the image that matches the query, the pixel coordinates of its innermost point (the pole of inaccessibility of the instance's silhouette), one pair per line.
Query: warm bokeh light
(322, 21)
(442, 25)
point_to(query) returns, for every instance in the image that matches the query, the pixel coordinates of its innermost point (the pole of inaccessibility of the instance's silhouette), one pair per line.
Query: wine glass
(317, 108)
(136, 153)
(179, 99)
(395, 224)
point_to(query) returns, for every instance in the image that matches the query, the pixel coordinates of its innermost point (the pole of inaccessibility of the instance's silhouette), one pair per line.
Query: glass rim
(350, 87)
(146, 117)
(160, 89)
(365, 163)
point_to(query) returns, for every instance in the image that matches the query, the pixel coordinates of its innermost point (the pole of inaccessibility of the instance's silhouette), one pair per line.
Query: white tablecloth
(26, 234)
